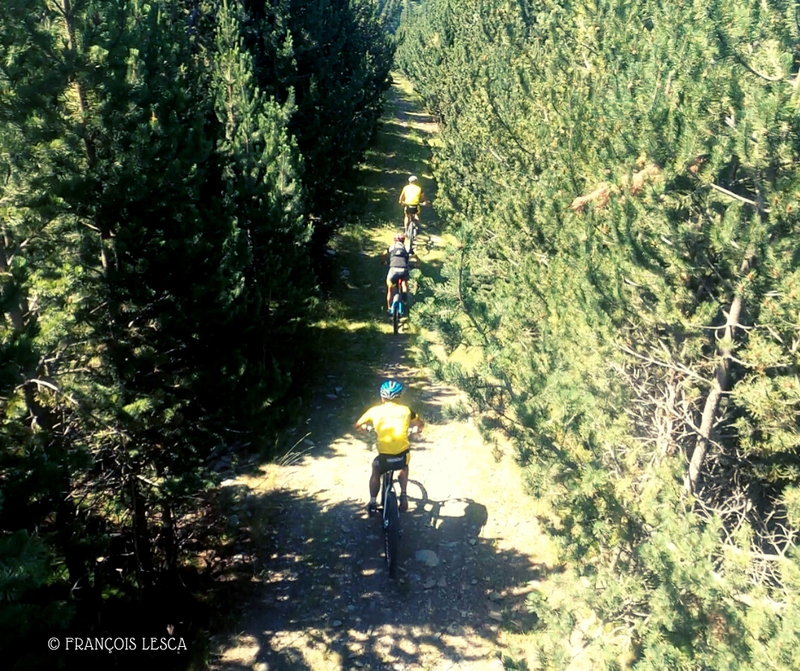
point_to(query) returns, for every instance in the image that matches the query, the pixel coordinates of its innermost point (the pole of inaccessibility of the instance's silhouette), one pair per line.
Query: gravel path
(471, 549)
(321, 597)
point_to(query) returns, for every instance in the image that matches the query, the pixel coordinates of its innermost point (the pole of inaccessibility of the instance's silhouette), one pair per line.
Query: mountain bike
(390, 508)
(399, 308)
(412, 229)
(390, 517)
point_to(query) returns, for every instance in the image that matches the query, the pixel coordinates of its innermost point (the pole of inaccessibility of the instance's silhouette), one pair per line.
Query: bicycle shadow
(319, 592)
(453, 525)
(311, 578)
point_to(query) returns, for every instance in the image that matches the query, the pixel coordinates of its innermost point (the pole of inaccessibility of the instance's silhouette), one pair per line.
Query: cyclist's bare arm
(416, 425)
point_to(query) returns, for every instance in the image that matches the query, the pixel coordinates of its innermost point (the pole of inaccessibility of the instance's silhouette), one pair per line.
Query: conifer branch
(149, 482)
(720, 383)
(751, 69)
(499, 158)
(507, 127)
(51, 386)
(780, 557)
(736, 196)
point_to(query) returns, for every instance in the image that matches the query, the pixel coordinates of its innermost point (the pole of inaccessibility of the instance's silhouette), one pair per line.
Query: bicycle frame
(399, 306)
(399, 296)
(412, 229)
(390, 521)
(387, 486)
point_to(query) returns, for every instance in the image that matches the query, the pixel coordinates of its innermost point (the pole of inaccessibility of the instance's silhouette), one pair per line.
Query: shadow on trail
(401, 148)
(405, 108)
(319, 595)
(357, 292)
(325, 595)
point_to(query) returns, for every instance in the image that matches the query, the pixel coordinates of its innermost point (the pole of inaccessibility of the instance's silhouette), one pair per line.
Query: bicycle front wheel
(391, 533)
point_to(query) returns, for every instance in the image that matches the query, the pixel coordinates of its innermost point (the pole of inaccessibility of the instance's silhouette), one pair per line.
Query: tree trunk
(17, 310)
(141, 538)
(76, 567)
(168, 532)
(718, 388)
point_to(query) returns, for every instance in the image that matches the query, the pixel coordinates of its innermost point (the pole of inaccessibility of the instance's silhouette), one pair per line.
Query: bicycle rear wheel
(391, 532)
(413, 228)
(396, 317)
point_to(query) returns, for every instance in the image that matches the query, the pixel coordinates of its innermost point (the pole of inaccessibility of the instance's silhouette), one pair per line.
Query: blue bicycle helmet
(391, 389)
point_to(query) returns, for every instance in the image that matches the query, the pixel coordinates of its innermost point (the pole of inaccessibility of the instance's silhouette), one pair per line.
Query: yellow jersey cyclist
(392, 422)
(410, 198)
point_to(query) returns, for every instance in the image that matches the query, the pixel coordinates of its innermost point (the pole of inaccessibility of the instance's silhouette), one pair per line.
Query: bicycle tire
(411, 233)
(391, 533)
(396, 318)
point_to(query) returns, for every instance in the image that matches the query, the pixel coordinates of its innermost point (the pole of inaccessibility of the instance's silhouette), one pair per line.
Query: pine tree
(152, 201)
(390, 13)
(342, 57)
(629, 171)
(264, 196)
(117, 283)
(327, 64)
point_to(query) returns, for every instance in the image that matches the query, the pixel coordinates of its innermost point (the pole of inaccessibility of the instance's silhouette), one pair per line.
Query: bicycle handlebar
(370, 428)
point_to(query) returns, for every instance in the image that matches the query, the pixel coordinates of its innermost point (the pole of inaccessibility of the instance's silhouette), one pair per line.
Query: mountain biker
(410, 197)
(399, 263)
(392, 422)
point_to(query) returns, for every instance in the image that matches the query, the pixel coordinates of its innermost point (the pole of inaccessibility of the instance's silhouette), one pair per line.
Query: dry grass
(321, 598)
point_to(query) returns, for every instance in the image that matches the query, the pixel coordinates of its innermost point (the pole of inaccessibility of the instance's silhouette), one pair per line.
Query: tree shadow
(356, 290)
(320, 590)
(400, 148)
(307, 567)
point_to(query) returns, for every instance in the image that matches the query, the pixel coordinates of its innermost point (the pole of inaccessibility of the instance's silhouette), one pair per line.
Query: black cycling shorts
(412, 209)
(393, 462)
(396, 274)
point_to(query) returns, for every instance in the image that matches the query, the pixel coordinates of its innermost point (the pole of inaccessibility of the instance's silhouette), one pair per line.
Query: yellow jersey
(391, 421)
(411, 194)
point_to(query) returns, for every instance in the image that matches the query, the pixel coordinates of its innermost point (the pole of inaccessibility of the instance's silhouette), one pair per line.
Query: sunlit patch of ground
(471, 550)
(332, 605)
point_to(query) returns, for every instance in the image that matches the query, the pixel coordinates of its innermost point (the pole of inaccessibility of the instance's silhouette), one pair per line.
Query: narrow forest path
(320, 597)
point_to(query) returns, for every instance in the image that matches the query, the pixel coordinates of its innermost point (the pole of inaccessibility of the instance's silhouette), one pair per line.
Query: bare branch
(664, 364)
(748, 67)
(736, 196)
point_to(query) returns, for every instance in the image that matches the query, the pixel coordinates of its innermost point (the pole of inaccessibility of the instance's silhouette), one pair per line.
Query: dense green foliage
(334, 110)
(391, 13)
(157, 187)
(623, 177)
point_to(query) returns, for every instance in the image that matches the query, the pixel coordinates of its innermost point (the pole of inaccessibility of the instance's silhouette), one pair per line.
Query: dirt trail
(471, 549)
